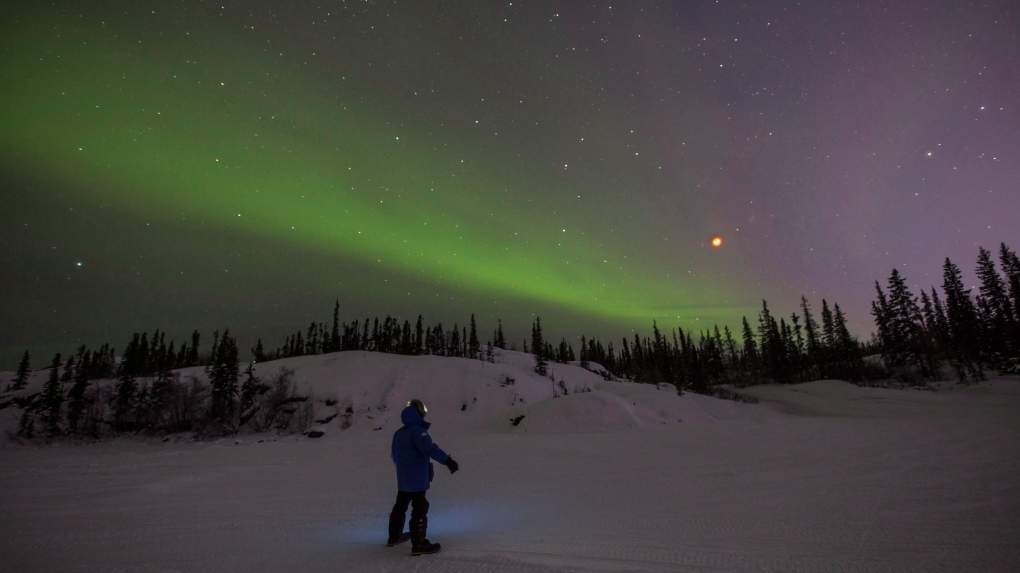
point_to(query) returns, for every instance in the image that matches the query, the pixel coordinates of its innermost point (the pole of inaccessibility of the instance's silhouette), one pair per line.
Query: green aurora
(276, 155)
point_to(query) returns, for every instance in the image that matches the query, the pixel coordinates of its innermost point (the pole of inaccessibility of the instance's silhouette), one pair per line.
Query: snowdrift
(360, 391)
(365, 391)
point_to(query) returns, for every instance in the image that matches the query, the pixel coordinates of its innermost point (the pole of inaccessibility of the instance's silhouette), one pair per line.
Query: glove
(452, 465)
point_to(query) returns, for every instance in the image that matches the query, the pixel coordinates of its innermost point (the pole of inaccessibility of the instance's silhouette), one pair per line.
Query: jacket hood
(410, 417)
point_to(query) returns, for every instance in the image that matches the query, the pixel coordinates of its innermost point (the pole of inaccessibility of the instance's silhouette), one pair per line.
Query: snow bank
(369, 389)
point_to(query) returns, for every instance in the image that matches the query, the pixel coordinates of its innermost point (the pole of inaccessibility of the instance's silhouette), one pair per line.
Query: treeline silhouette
(919, 338)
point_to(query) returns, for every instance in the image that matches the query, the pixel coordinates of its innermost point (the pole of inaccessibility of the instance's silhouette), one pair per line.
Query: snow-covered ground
(823, 476)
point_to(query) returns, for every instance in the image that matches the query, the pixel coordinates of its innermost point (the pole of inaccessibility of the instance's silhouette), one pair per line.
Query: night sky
(209, 164)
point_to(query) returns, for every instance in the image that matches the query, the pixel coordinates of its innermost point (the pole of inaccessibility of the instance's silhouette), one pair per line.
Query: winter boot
(419, 544)
(397, 534)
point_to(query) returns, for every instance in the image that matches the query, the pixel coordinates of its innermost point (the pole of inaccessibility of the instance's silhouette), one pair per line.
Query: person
(411, 450)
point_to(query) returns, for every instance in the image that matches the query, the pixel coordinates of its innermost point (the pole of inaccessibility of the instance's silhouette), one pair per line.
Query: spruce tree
(142, 357)
(124, 401)
(312, 338)
(626, 360)
(439, 340)
(418, 332)
(828, 330)
(143, 408)
(562, 351)
(750, 350)
(846, 346)
(731, 346)
(810, 333)
(249, 389)
(76, 396)
(907, 322)
(68, 374)
(992, 286)
(454, 348)
(215, 351)
(772, 350)
(787, 349)
(259, 353)
(26, 423)
(53, 398)
(964, 345)
(538, 347)
(193, 349)
(474, 347)
(161, 394)
(999, 322)
(988, 346)
(334, 335)
(798, 334)
(181, 359)
(223, 376)
(941, 327)
(904, 326)
(1010, 264)
(406, 342)
(931, 338)
(24, 371)
(500, 340)
(880, 311)
(169, 358)
(712, 349)
(928, 314)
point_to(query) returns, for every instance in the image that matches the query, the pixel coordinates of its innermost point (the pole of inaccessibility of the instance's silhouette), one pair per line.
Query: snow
(824, 476)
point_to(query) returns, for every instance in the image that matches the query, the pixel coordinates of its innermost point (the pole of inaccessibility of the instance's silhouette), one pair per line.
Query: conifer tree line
(919, 337)
(389, 335)
(792, 348)
(147, 393)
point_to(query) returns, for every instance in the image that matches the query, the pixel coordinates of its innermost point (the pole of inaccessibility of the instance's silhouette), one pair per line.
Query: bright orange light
(717, 241)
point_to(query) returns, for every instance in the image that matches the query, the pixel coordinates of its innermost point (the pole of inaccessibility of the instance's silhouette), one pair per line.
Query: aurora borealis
(242, 164)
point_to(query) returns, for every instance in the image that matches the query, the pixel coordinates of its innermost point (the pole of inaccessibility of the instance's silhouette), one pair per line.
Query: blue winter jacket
(412, 447)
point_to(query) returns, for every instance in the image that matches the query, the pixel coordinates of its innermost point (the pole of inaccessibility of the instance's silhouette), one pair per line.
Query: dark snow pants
(416, 499)
(419, 512)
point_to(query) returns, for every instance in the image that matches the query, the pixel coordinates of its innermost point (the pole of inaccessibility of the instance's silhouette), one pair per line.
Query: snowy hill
(360, 391)
(612, 476)
(480, 396)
